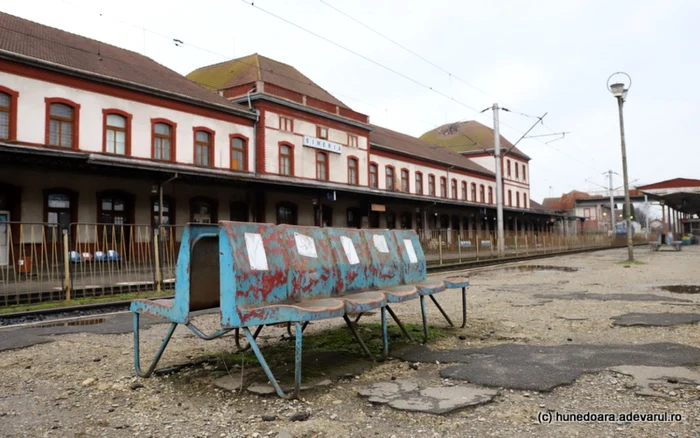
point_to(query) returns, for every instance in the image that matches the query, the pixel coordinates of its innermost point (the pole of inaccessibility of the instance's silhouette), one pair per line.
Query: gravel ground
(82, 385)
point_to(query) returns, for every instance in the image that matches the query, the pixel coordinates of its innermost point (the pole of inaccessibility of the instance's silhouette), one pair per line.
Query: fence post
(459, 245)
(156, 257)
(527, 248)
(516, 245)
(66, 266)
(477, 240)
(440, 245)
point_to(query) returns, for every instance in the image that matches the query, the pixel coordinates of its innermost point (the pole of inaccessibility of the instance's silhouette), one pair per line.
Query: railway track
(44, 316)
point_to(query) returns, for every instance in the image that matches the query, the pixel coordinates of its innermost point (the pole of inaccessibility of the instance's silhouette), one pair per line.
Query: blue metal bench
(258, 274)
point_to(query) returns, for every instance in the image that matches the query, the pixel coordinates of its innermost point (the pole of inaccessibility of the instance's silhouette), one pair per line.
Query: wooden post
(156, 259)
(459, 245)
(440, 244)
(66, 266)
(477, 240)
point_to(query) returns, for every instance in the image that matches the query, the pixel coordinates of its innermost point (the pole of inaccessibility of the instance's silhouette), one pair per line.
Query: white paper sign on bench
(410, 250)
(349, 249)
(380, 243)
(256, 252)
(305, 245)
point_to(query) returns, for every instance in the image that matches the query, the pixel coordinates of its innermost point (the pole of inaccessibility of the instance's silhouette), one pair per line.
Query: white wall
(31, 122)
(305, 157)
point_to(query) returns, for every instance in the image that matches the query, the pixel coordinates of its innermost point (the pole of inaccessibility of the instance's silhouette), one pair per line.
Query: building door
(4, 237)
(323, 216)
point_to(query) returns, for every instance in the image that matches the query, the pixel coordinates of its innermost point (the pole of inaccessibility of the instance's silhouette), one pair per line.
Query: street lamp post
(619, 90)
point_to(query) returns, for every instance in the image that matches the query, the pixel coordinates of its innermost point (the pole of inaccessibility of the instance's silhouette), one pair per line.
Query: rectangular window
(202, 148)
(443, 187)
(61, 125)
(431, 185)
(453, 188)
(587, 213)
(286, 124)
(373, 176)
(352, 141)
(352, 171)
(464, 190)
(239, 155)
(322, 166)
(286, 160)
(5, 115)
(419, 183)
(322, 132)
(389, 178)
(116, 134)
(404, 181)
(162, 141)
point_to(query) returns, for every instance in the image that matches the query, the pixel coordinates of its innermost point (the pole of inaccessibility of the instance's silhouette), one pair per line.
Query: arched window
(322, 166)
(508, 168)
(239, 153)
(510, 198)
(352, 171)
(405, 187)
(373, 175)
(517, 171)
(453, 188)
(203, 210)
(419, 183)
(8, 114)
(203, 147)
(443, 187)
(163, 134)
(286, 159)
(431, 185)
(389, 180)
(524, 200)
(517, 198)
(524, 174)
(482, 194)
(406, 219)
(286, 213)
(116, 131)
(473, 192)
(115, 209)
(62, 123)
(464, 190)
(490, 195)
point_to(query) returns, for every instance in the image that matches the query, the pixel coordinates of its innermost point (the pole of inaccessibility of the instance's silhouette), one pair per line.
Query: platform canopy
(681, 194)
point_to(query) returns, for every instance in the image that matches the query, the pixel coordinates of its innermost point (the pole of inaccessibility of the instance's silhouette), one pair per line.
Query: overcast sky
(531, 56)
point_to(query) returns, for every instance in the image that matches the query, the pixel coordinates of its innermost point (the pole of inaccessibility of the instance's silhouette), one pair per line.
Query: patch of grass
(634, 262)
(337, 341)
(84, 301)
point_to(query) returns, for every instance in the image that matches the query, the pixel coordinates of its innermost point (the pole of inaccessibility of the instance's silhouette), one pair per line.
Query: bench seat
(456, 282)
(429, 287)
(363, 301)
(305, 310)
(399, 294)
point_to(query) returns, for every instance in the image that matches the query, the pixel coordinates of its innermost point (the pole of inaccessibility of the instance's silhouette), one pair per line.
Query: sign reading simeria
(319, 143)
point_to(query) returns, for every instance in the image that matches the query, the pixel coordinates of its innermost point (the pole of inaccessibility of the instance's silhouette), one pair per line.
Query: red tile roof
(469, 137)
(51, 46)
(252, 68)
(412, 146)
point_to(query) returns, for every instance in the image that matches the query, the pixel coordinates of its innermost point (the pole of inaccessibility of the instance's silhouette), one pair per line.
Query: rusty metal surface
(384, 258)
(456, 282)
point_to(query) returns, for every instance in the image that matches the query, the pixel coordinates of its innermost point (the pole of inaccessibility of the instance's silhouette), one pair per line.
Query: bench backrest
(312, 269)
(197, 276)
(253, 269)
(413, 263)
(351, 258)
(385, 259)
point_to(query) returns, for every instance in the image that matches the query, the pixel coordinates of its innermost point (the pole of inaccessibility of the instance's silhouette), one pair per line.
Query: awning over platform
(681, 194)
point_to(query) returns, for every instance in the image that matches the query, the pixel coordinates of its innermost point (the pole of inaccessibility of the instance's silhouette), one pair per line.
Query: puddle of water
(682, 288)
(78, 322)
(531, 268)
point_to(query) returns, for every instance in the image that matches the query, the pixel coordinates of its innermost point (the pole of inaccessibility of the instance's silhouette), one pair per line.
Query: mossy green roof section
(255, 67)
(469, 136)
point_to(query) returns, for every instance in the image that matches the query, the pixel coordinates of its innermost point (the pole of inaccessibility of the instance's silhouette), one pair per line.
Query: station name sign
(325, 145)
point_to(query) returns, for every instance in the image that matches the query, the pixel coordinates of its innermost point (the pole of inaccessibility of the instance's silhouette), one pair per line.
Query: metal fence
(47, 262)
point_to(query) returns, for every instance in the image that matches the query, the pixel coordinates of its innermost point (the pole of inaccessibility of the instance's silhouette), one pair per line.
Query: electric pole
(499, 182)
(628, 213)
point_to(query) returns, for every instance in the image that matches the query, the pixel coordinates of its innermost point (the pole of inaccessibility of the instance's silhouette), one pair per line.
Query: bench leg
(357, 319)
(201, 335)
(449, 321)
(289, 328)
(137, 353)
(357, 337)
(255, 336)
(400, 324)
(425, 319)
(297, 357)
(464, 307)
(385, 334)
(263, 363)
